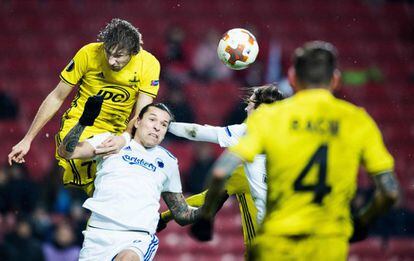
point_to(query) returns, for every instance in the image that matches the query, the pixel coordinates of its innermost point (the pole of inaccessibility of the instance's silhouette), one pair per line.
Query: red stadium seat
(400, 249)
(369, 249)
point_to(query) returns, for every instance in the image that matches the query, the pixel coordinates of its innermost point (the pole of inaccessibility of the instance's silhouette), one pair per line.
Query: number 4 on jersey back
(320, 189)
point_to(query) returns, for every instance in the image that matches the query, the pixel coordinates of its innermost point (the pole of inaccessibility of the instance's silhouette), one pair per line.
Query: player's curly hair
(267, 93)
(121, 33)
(315, 62)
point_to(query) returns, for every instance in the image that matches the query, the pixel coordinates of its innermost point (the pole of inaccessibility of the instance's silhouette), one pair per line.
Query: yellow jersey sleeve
(375, 156)
(150, 76)
(252, 143)
(76, 68)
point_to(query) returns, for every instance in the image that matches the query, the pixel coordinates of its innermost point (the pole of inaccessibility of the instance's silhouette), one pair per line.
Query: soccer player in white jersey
(227, 136)
(128, 186)
(248, 183)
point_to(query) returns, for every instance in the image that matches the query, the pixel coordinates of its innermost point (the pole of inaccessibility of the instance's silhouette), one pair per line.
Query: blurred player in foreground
(128, 186)
(249, 183)
(314, 144)
(116, 68)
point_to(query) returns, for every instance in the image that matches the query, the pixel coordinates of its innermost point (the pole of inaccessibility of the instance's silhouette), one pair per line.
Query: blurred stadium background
(375, 39)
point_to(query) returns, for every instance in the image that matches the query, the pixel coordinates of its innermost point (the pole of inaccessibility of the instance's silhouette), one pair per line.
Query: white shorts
(104, 245)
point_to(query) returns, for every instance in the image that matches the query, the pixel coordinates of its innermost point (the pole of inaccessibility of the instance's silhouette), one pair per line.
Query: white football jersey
(128, 186)
(255, 171)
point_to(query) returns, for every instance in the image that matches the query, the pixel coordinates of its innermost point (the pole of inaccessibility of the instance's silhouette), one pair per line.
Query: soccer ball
(237, 48)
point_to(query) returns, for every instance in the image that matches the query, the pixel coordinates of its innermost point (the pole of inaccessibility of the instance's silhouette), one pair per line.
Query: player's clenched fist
(91, 111)
(202, 229)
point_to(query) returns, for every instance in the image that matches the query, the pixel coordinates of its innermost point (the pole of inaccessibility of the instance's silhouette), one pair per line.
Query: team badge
(160, 163)
(155, 82)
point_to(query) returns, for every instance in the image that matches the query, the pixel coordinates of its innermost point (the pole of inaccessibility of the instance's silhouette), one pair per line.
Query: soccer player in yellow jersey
(314, 144)
(248, 183)
(117, 68)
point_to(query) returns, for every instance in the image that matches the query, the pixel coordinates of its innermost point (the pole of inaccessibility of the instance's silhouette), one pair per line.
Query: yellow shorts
(248, 214)
(299, 248)
(77, 173)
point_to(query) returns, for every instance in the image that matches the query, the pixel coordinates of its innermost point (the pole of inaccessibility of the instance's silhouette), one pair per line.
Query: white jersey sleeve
(194, 131)
(224, 136)
(98, 139)
(173, 182)
(230, 135)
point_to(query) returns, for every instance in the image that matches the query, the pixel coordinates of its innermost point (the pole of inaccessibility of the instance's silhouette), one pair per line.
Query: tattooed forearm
(72, 139)
(385, 196)
(182, 213)
(387, 183)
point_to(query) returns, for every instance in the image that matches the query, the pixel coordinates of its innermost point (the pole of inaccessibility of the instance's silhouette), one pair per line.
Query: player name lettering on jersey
(140, 162)
(319, 126)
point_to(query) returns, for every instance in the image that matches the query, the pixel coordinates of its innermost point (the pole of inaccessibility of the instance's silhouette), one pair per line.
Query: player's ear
(336, 80)
(292, 78)
(136, 122)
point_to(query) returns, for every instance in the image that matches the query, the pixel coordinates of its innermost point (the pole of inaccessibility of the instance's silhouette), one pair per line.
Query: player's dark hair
(267, 93)
(315, 63)
(121, 33)
(160, 106)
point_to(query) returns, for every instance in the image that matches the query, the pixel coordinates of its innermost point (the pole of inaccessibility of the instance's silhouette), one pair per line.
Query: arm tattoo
(72, 138)
(182, 213)
(386, 194)
(386, 182)
(192, 131)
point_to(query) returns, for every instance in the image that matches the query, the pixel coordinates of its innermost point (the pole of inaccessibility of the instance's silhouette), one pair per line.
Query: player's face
(117, 58)
(151, 129)
(250, 105)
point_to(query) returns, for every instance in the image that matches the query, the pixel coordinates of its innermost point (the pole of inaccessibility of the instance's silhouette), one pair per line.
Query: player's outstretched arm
(222, 169)
(386, 194)
(196, 200)
(182, 213)
(194, 131)
(112, 144)
(47, 110)
(71, 148)
(203, 228)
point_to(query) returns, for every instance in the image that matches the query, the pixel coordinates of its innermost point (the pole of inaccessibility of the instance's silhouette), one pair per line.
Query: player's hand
(161, 224)
(19, 151)
(202, 229)
(91, 111)
(111, 145)
(360, 231)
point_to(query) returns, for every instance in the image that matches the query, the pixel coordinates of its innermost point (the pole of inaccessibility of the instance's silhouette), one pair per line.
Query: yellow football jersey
(89, 70)
(314, 144)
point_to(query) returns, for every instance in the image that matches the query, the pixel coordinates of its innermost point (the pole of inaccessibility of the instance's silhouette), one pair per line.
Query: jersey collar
(136, 146)
(318, 93)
